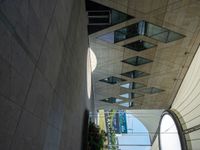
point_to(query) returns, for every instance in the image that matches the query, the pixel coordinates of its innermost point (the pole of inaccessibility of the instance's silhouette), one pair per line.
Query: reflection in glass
(112, 100)
(127, 104)
(139, 45)
(137, 61)
(151, 90)
(132, 85)
(145, 28)
(134, 74)
(130, 95)
(112, 80)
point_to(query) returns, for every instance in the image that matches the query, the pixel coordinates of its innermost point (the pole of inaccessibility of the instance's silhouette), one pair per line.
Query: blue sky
(137, 135)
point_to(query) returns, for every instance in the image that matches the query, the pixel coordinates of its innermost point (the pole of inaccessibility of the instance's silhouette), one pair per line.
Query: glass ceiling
(143, 28)
(137, 61)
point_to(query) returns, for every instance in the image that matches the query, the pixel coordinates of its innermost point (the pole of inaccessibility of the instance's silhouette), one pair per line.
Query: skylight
(134, 74)
(131, 95)
(112, 100)
(139, 45)
(144, 28)
(112, 80)
(151, 90)
(137, 61)
(132, 85)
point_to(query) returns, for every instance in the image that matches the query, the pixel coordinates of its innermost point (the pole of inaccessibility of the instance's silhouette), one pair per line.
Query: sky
(137, 135)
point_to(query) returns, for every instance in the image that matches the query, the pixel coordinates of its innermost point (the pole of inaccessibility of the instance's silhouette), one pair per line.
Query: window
(136, 61)
(132, 85)
(135, 74)
(171, 134)
(112, 80)
(151, 90)
(101, 17)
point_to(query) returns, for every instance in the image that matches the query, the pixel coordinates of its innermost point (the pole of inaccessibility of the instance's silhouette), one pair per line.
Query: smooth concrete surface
(43, 55)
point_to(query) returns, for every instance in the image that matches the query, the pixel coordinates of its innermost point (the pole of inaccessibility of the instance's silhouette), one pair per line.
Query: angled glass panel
(161, 34)
(131, 95)
(127, 104)
(112, 80)
(101, 17)
(134, 74)
(151, 90)
(128, 32)
(151, 29)
(162, 37)
(147, 29)
(132, 85)
(136, 61)
(139, 45)
(174, 36)
(109, 37)
(118, 17)
(112, 100)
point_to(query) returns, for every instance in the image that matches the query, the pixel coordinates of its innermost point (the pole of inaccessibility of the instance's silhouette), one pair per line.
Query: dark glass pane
(135, 74)
(118, 17)
(161, 37)
(112, 80)
(161, 34)
(131, 95)
(132, 85)
(147, 29)
(112, 100)
(105, 13)
(99, 21)
(136, 61)
(139, 45)
(174, 36)
(151, 90)
(151, 29)
(127, 32)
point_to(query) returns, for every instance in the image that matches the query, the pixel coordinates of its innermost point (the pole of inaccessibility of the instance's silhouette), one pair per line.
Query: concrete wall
(43, 52)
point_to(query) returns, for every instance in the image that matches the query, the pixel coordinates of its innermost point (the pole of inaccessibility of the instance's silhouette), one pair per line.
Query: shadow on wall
(85, 130)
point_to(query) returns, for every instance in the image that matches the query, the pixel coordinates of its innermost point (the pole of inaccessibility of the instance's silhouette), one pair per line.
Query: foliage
(96, 138)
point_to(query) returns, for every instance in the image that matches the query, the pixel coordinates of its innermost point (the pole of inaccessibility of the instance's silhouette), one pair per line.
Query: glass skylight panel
(109, 37)
(139, 45)
(112, 100)
(134, 74)
(136, 61)
(132, 85)
(151, 90)
(112, 80)
(118, 17)
(130, 95)
(127, 32)
(145, 28)
(161, 34)
(101, 17)
(127, 104)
